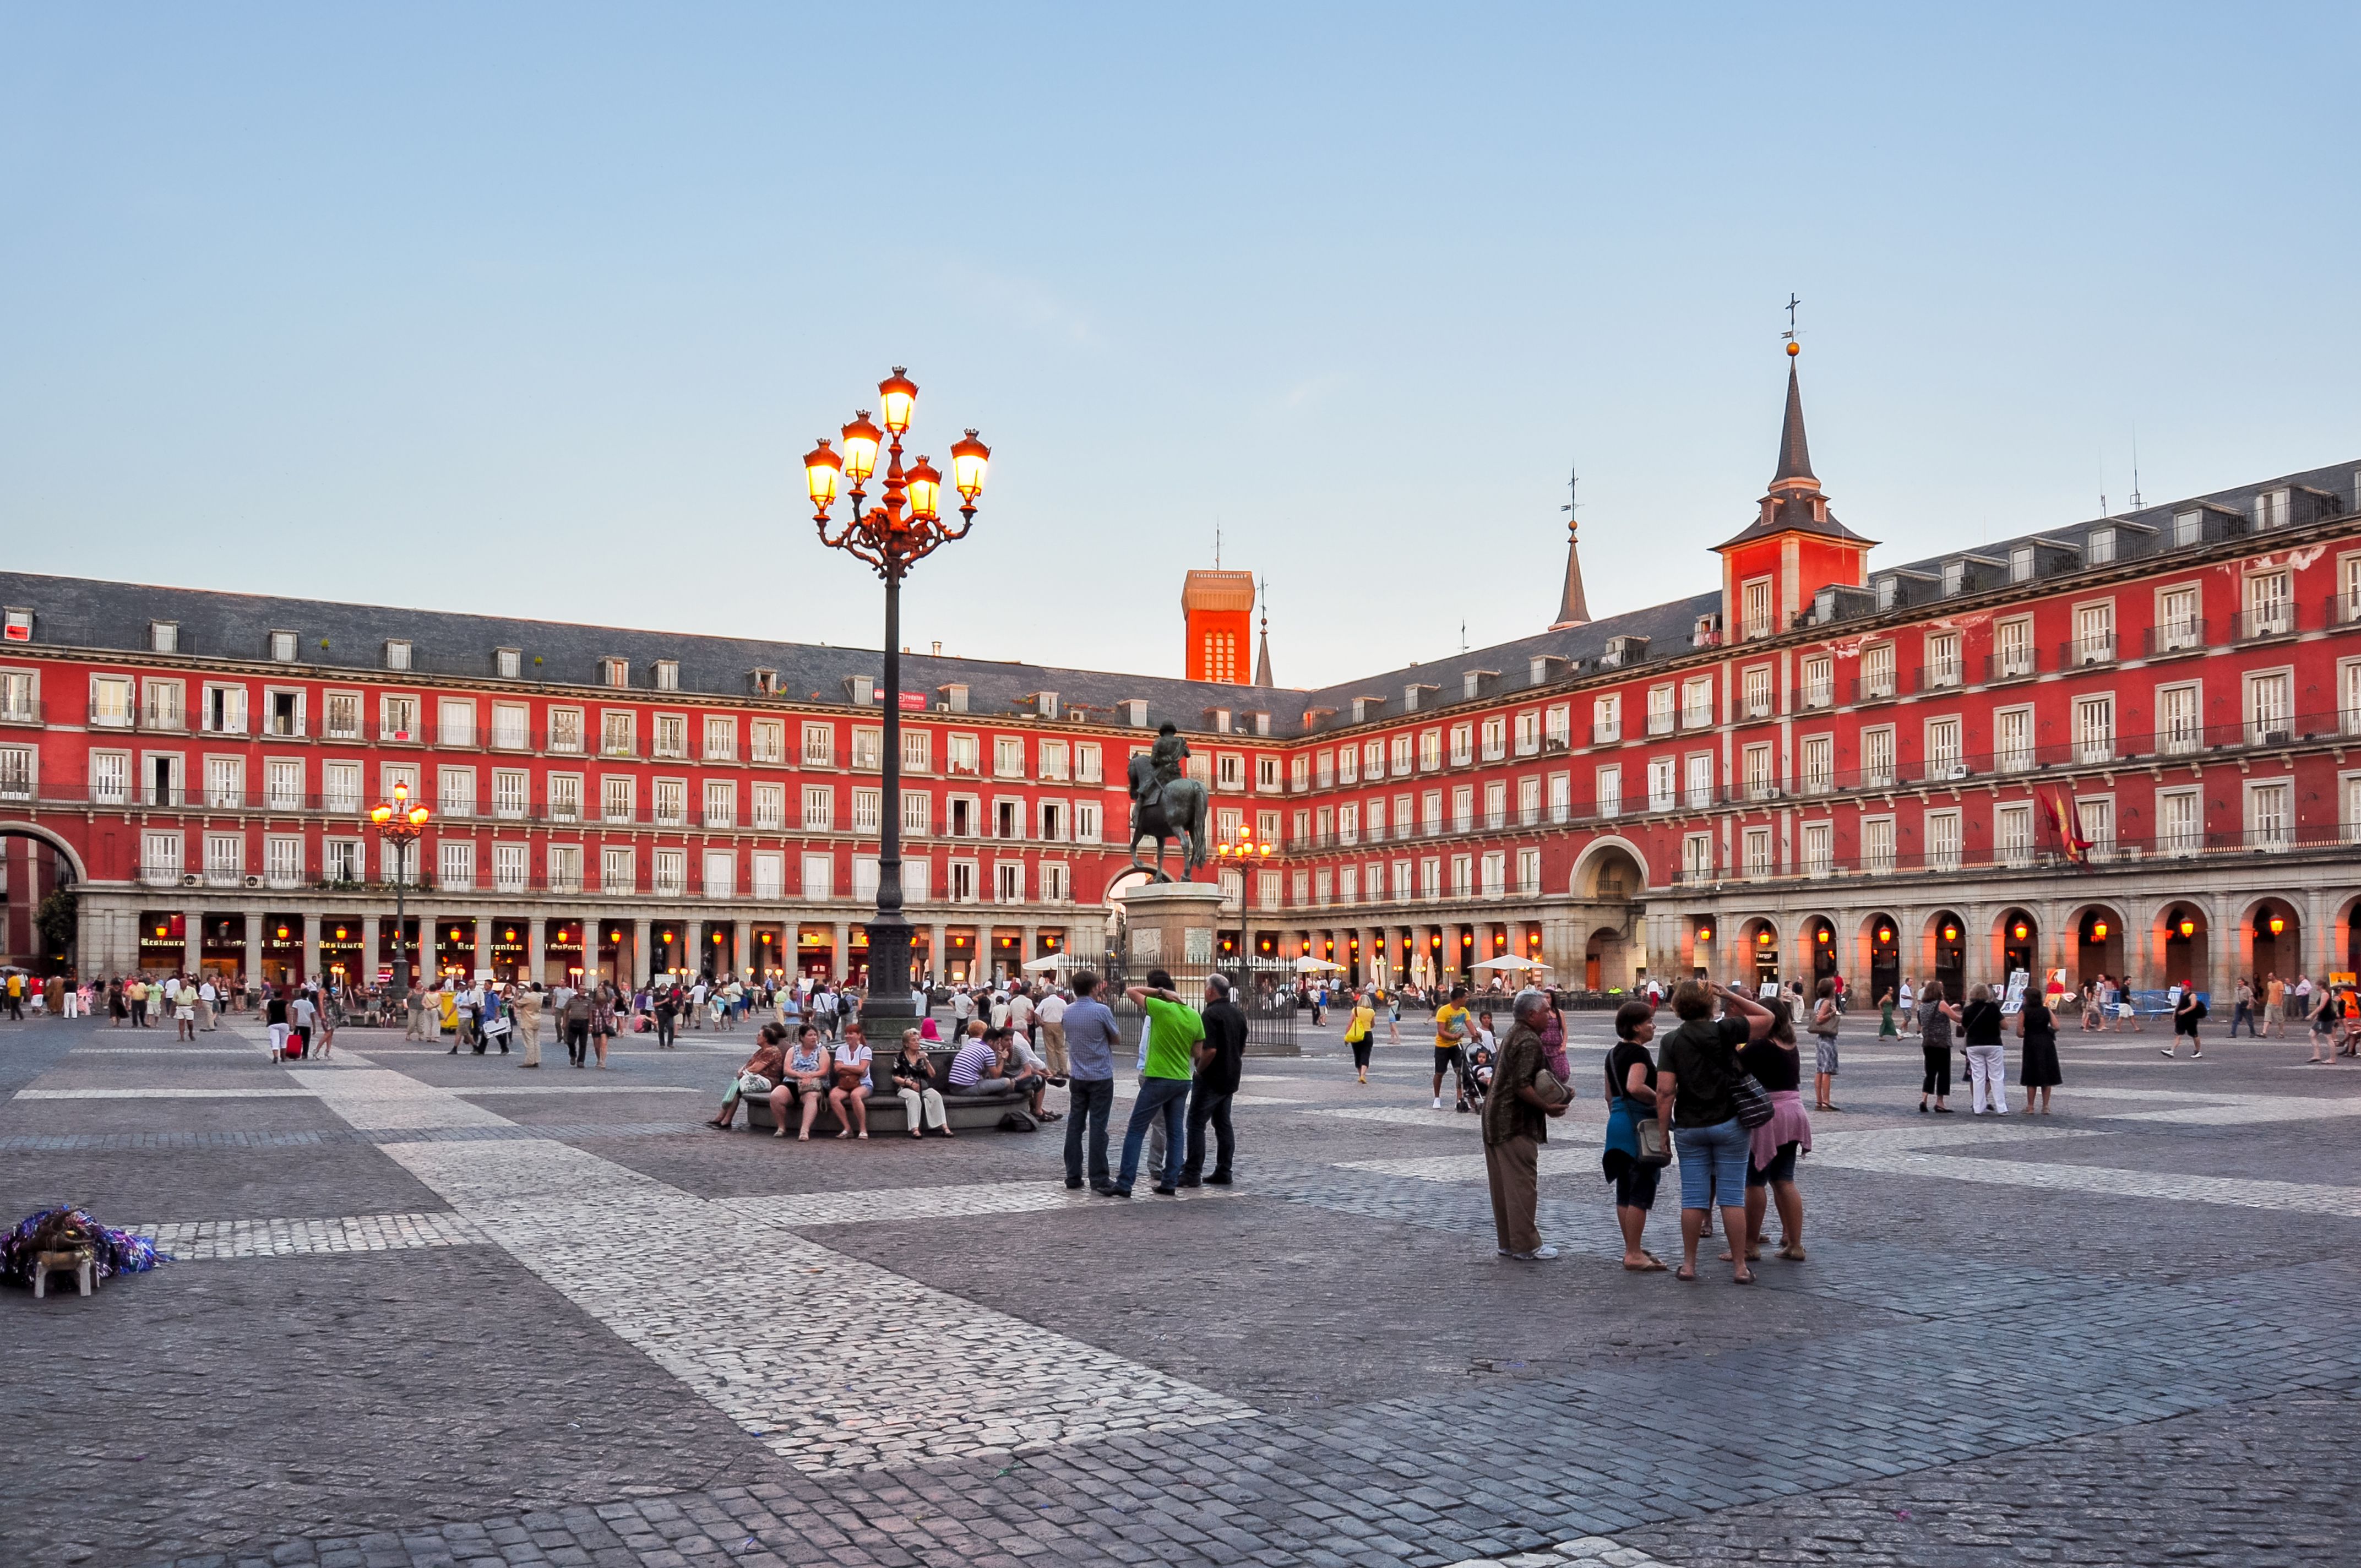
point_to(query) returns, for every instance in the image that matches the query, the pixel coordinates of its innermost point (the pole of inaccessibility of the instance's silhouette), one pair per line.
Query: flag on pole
(2068, 820)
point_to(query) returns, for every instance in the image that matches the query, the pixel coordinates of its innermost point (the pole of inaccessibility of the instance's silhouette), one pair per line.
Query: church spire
(1262, 654)
(1795, 454)
(1573, 607)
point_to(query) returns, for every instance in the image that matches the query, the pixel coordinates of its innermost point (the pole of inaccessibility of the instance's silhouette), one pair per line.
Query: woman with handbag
(1699, 1074)
(1637, 1149)
(914, 1082)
(806, 1078)
(759, 1076)
(1357, 1035)
(850, 1096)
(1935, 1045)
(1772, 1147)
(1987, 1063)
(602, 1022)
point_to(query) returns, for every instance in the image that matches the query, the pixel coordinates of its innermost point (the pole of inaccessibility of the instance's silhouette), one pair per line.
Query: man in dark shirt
(1697, 1067)
(1220, 1057)
(1516, 1125)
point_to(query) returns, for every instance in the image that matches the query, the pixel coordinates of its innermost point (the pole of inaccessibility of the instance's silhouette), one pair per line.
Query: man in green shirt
(1173, 1031)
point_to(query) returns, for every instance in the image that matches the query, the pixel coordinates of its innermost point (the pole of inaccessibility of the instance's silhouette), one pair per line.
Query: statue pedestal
(1169, 925)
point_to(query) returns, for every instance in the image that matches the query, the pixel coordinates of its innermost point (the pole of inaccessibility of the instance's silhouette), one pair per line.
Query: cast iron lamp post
(1245, 852)
(904, 528)
(398, 822)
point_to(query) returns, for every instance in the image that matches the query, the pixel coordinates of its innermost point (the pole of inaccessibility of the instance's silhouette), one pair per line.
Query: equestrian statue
(1166, 803)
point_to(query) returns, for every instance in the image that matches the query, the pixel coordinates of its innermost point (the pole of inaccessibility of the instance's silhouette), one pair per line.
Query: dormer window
(766, 682)
(18, 627)
(667, 674)
(508, 663)
(615, 672)
(1221, 721)
(955, 697)
(1955, 576)
(1262, 723)
(2273, 509)
(282, 647)
(163, 637)
(1886, 590)
(2020, 564)
(861, 690)
(397, 653)
(1135, 712)
(2100, 546)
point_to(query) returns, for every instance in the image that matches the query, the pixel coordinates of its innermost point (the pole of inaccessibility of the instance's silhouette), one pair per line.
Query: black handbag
(1747, 1093)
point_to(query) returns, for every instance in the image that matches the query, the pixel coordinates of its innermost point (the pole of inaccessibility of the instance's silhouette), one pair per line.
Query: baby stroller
(1476, 1081)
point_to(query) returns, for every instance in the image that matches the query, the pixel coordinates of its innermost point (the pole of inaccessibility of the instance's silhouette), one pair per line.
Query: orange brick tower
(1794, 548)
(1219, 608)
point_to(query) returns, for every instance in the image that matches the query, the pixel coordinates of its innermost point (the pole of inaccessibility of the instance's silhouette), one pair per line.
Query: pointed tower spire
(1262, 654)
(1573, 607)
(1795, 454)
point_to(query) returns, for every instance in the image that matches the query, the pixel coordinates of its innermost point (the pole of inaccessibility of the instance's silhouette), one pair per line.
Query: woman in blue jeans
(1697, 1067)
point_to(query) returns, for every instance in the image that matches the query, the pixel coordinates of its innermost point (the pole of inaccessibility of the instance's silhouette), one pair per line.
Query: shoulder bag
(1747, 1093)
(1654, 1148)
(754, 1083)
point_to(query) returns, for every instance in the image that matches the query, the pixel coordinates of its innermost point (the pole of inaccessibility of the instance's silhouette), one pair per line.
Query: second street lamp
(399, 822)
(1243, 849)
(904, 528)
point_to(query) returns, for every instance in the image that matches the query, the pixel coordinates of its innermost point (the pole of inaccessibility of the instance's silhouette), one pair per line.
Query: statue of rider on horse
(1166, 803)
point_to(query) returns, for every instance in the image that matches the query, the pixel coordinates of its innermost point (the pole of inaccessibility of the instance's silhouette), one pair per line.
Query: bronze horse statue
(1177, 811)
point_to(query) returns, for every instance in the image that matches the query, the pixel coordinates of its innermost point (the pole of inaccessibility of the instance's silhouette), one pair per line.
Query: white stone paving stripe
(200, 1241)
(800, 1210)
(155, 1092)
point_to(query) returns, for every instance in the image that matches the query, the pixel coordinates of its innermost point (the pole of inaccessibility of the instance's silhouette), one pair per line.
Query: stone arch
(2179, 955)
(1943, 941)
(2258, 951)
(1757, 960)
(1601, 855)
(2096, 933)
(1881, 946)
(49, 836)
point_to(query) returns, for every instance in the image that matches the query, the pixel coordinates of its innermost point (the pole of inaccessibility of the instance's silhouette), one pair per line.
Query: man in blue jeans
(1092, 1039)
(1173, 1031)
(1696, 1068)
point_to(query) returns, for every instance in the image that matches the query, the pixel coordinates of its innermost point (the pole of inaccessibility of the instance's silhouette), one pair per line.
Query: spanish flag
(2068, 823)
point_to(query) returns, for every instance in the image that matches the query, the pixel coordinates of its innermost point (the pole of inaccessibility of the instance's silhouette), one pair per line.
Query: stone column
(192, 940)
(310, 924)
(643, 934)
(742, 940)
(590, 934)
(483, 943)
(842, 959)
(366, 972)
(938, 946)
(253, 944)
(1032, 945)
(536, 945)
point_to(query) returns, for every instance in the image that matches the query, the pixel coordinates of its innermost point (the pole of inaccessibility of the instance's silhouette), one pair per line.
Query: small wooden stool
(79, 1262)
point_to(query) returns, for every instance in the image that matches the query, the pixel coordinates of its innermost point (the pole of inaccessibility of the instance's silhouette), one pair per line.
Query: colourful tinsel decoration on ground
(67, 1229)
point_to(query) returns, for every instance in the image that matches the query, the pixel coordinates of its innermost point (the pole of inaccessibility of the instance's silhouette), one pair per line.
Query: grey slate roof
(93, 613)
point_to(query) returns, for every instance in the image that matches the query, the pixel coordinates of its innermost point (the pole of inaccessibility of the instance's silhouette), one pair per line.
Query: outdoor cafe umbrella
(1506, 962)
(1307, 964)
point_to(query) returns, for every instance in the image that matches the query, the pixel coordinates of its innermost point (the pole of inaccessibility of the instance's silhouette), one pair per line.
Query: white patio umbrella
(1507, 962)
(1045, 963)
(1307, 964)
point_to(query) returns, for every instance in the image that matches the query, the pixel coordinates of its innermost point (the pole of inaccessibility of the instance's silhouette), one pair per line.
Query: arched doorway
(38, 918)
(1760, 952)
(1946, 936)
(1606, 960)
(2020, 939)
(2187, 946)
(1821, 941)
(2098, 945)
(1884, 956)
(2275, 934)
(1698, 949)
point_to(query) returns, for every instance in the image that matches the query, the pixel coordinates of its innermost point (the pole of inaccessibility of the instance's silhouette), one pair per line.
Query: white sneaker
(1438, 1101)
(1539, 1254)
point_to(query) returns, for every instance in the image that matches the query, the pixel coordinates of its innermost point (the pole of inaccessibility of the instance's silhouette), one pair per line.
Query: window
(1607, 786)
(2179, 822)
(819, 745)
(2352, 785)
(1877, 758)
(618, 733)
(767, 742)
(1661, 709)
(1606, 720)
(284, 713)
(509, 790)
(917, 878)
(771, 875)
(2270, 607)
(720, 804)
(1697, 702)
(225, 710)
(669, 802)
(1943, 659)
(1754, 610)
(110, 778)
(1662, 783)
(1756, 692)
(225, 782)
(282, 785)
(224, 858)
(961, 754)
(1529, 802)
(1348, 765)
(164, 706)
(2094, 730)
(868, 750)
(867, 808)
(1495, 739)
(1348, 823)
(669, 873)
(2179, 727)
(2012, 644)
(617, 798)
(2099, 546)
(1757, 855)
(1230, 770)
(1529, 874)
(2176, 626)
(508, 868)
(1876, 673)
(2270, 708)
(1697, 858)
(159, 857)
(2013, 833)
(617, 870)
(1761, 781)
(2348, 601)
(1463, 741)
(615, 672)
(110, 702)
(1008, 756)
(508, 663)
(1944, 762)
(282, 647)
(565, 797)
(1400, 746)
(1056, 885)
(282, 860)
(1008, 882)
(455, 866)
(2272, 509)
(1430, 750)
(1819, 682)
(511, 725)
(770, 801)
(1463, 876)
(16, 773)
(2096, 815)
(1429, 808)
(565, 730)
(1700, 780)
(1819, 764)
(1877, 844)
(1463, 809)
(1495, 871)
(2271, 816)
(1053, 757)
(397, 657)
(819, 808)
(1496, 803)
(1265, 774)
(2094, 633)
(667, 675)
(1819, 848)
(720, 873)
(340, 788)
(2348, 682)
(2013, 739)
(671, 737)
(1942, 840)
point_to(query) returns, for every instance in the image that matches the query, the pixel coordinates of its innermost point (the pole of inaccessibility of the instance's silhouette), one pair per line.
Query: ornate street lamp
(399, 822)
(904, 528)
(1243, 850)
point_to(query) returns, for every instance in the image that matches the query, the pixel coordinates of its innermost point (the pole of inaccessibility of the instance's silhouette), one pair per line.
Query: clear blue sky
(535, 308)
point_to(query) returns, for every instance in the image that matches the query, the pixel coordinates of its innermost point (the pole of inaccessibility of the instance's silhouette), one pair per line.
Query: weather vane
(1793, 348)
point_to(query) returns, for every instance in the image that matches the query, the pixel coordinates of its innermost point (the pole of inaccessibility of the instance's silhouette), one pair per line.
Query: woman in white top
(849, 1098)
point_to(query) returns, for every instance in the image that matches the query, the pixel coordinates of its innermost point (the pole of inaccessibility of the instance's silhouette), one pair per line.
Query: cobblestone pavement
(429, 1311)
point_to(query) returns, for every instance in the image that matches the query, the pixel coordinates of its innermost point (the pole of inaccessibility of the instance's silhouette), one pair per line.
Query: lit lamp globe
(822, 470)
(969, 457)
(897, 396)
(861, 442)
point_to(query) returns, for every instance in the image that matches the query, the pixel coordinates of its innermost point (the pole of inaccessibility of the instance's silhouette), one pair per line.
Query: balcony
(1755, 705)
(2076, 652)
(1946, 675)
(1660, 721)
(2176, 637)
(1606, 734)
(2343, 610)
(1876, 686)
(2270, 621)
(24, 710)
(1820, 694)
(1696, 718)
(2015, 664)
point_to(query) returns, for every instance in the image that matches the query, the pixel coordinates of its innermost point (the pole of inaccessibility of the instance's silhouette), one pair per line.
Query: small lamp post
(1243, 850)
(399, 822)
(903, 528)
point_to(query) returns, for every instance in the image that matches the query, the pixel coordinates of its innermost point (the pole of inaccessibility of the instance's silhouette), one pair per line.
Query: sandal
(1793, 1252)
(1742, 1279)
(1686, 1274)
(1650, 1266)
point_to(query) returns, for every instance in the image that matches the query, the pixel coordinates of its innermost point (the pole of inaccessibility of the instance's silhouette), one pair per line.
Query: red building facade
(2128, 745)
